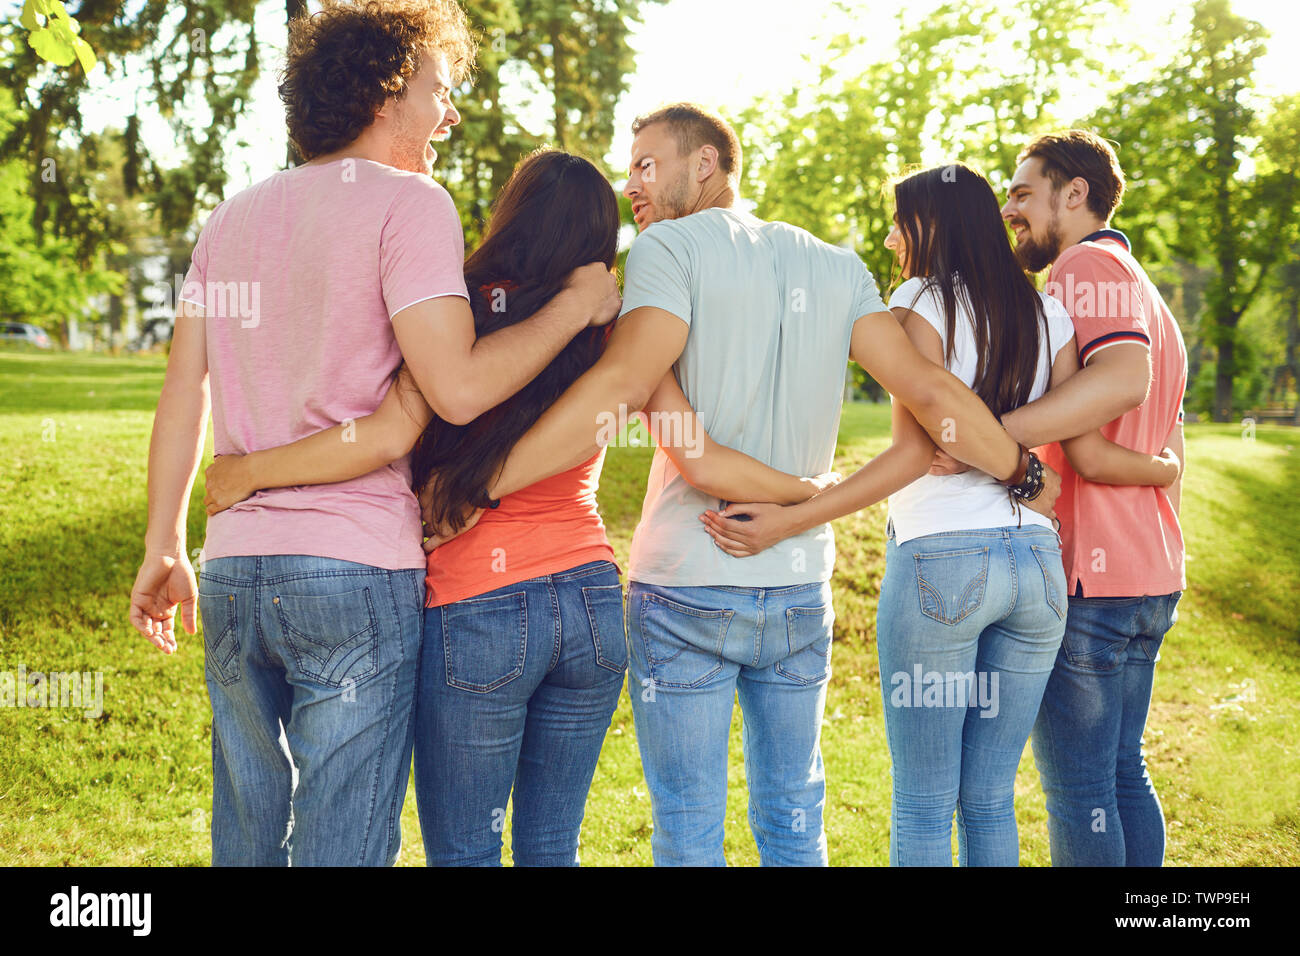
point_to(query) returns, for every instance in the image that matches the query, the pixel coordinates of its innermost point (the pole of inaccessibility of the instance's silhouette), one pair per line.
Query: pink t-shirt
(299, 277)
(1121, 540)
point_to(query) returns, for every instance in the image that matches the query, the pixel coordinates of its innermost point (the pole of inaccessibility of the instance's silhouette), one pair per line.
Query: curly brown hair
(346, 60)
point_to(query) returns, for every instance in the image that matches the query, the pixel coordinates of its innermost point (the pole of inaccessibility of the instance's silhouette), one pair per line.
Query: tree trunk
(558, 85)
(1293, 347)
(1223, 376)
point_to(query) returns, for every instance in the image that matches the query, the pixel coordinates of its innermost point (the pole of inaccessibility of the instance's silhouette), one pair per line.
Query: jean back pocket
(220, 635)
(1049, 561)
(334, 637)
(605, 613)
(950, 584)
(485, 641)
(673, 659)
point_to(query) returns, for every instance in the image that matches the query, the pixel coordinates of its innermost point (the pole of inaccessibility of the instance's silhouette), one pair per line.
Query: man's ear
(1076, 194)
(385, 108)
(707, 164)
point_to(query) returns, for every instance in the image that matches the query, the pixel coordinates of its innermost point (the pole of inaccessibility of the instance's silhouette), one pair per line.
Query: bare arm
(905, 460)
(641, 350)
(166, 579)
(1100, 460)
(1092, 455)
(1175, 443)
(715, 469)
(950, 413)
(1114, 381)
(340, 453)
(462, 376)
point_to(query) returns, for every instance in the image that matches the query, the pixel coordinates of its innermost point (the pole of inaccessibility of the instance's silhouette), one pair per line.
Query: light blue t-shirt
(771, 310)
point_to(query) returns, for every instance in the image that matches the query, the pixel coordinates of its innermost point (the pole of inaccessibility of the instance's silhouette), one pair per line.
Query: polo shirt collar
(1109, 234)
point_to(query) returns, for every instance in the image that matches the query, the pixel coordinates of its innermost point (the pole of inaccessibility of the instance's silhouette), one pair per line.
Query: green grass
(133, 786)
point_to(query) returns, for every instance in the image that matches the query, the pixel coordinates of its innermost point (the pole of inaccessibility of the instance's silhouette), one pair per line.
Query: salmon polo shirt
(1120, 540)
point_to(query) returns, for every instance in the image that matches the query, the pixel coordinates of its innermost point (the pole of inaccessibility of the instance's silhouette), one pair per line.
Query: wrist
(248, 476)
(1017, 472)
(577, 307)
(167, 545)
(799, 518)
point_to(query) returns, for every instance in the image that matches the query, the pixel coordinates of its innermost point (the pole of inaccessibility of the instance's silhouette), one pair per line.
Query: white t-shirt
(936, 503)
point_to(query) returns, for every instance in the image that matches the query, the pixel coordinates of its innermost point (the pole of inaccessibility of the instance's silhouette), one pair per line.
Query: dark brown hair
(1077, 153)
(557, 212)
(346, 60)
(691, 127)
(956, 243)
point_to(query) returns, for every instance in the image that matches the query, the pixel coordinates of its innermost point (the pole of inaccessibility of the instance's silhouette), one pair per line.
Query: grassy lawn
(133, 786)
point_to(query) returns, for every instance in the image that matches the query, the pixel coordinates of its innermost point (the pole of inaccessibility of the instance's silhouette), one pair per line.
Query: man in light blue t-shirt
(758, 321)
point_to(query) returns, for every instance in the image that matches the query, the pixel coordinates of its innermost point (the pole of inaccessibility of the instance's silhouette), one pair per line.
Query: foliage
(1212, 182)
(54, 34)
(44, 277)
(572, 53)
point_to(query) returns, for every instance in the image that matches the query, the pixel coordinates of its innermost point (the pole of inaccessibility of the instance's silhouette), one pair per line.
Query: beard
(1037, 254)
(672, 204)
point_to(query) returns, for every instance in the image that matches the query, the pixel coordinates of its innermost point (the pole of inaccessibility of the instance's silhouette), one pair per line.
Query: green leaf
(28, 18)
(85, 55)
(49, 46)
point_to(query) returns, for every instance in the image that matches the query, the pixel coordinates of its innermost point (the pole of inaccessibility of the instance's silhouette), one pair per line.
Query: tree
(574, 53)
(1189, 139)
(44, 278)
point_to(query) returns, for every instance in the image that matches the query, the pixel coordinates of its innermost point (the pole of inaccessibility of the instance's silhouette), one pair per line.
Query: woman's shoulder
(1057, 315)
(907, 291)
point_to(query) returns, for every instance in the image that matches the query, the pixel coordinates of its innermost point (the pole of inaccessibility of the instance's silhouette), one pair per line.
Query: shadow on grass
(75, 572)
(1261, 558)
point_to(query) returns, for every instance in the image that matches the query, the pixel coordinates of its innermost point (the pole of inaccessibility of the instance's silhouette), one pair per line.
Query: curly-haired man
(305, 293)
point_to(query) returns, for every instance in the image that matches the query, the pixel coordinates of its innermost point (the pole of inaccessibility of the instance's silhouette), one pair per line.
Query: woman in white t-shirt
(973, 602)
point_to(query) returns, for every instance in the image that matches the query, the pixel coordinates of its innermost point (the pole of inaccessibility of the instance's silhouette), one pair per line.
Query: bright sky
(683, 55)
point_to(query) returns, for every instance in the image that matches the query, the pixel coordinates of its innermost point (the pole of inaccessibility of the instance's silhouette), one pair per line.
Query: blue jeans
(1101, 804)
(517, 688)
(968, 627)
(311, 667)
(693, 650)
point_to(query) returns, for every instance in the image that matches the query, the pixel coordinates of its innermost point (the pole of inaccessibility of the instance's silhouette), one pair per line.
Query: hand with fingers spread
(164, 582)
(226, 482)
(760, 527)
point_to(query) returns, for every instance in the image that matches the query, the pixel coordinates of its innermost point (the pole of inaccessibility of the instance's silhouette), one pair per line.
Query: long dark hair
(556, 213)
(956, 240)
